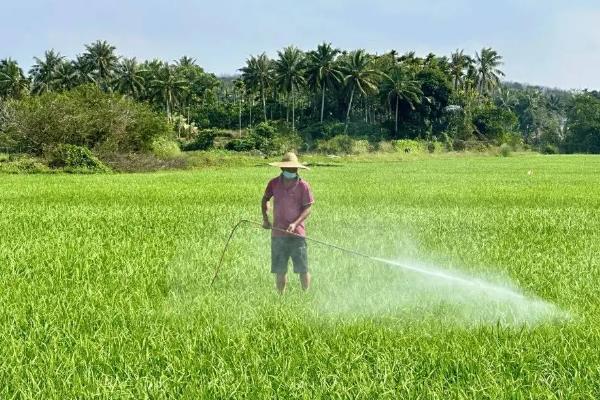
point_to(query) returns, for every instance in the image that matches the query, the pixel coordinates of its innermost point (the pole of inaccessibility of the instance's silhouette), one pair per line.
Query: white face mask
(289, 175)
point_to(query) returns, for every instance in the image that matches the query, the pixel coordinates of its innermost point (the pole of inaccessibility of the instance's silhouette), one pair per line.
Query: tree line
(327, 91)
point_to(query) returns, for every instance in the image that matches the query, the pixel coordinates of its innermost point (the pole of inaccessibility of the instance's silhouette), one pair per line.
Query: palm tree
(186, 61)
(358, 75)
(459, 64)
(411, 60)
(168, 87)
(470, 79)
(129, 78)
(240, 90)
(43, 72)
(66, 76)
(322, 70)
(12, 81)
(289, 74)
(258, 74)
(101, 59)
(84, 71)
(399, 86)
(488, 73)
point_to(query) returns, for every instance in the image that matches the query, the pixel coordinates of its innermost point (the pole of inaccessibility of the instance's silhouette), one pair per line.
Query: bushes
(341, 144)
(164, 148)
(409, 146)
(86, 117)
(22, 165)
(246, 144)
(492, 122)
(73, 158)
(265, 138)
(505, 150)
(344, 144)
(204, 140)
(550, 149)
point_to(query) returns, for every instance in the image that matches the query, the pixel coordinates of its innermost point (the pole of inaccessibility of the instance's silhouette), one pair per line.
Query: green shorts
(284, 247)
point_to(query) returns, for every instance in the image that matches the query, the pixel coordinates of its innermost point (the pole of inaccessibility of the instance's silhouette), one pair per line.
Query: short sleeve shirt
(288, 203)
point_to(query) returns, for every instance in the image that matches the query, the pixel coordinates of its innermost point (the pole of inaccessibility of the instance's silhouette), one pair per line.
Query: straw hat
(289, 160)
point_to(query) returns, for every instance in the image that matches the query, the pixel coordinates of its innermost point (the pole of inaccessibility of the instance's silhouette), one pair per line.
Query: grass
(105, 284)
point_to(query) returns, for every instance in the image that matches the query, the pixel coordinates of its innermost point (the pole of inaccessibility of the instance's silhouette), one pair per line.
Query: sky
(554, 43)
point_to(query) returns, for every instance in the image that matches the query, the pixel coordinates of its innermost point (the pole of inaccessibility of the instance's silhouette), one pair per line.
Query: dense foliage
(85, 116)
(326, 92)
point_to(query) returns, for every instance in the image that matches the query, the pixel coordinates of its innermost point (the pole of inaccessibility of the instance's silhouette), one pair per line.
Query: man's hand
(266, 224)
(292, 227)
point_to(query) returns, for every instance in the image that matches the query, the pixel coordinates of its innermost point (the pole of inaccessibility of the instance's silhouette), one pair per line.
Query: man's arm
(303, 215)
(265, 212)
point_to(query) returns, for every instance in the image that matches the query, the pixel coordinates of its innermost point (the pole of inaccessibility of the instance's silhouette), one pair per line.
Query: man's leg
(279, 262)
(305, 280)
(300, 259)
(280, 282)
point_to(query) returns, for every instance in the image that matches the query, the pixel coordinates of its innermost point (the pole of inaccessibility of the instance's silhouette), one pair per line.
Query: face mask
(289, 175)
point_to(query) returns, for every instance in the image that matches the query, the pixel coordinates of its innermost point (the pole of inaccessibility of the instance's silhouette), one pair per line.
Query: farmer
(292, 202)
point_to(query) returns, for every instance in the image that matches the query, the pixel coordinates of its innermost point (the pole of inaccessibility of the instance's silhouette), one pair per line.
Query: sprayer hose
(218, 268)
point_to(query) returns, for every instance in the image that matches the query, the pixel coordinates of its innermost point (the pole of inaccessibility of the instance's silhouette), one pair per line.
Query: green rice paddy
(105, 284)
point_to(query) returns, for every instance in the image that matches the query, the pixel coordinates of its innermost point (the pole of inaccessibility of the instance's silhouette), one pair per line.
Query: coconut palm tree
(84, 72)
(258, 75)
(12, 81)
(359, 75)
(168, 87)
(322, 70)
(129, 78)
(66, 76)
(289, 74)
(186, 61)
(240, 91)
(488, 73)
(459, 63)
(101, 60)
(400, 86)
(43, 72)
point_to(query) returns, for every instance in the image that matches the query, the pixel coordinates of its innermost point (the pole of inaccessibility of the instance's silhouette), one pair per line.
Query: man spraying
(292, 200)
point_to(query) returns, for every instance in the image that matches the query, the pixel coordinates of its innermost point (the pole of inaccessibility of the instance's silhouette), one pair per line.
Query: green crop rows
(105, 284)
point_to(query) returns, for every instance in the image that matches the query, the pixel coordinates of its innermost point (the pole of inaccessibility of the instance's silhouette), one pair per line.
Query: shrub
(84, 116)
(477, 146)
(550, 149)
(72, 158)
(164, 148)
(361, 147)
(283, 143)
(204, 140)
(459, 145)
(492, 121)
(341, 144)
(409, 146)
(245, 144)
(23, 165)
(513, 139)
(265, 130)
(505, 150)
(386, 147)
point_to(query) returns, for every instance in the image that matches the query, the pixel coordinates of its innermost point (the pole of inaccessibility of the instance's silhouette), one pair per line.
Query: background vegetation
(299, 100)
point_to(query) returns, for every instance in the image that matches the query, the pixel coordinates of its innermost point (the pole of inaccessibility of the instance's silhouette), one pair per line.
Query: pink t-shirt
(288, 203)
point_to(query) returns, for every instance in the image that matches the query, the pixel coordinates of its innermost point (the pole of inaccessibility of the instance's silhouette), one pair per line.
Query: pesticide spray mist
(411, 290)
(405, 290)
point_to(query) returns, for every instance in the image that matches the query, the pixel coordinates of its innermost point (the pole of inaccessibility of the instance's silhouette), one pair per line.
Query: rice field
(105, 284)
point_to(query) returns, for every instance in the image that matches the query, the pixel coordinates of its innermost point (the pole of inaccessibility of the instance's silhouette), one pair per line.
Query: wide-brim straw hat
(289, 160)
